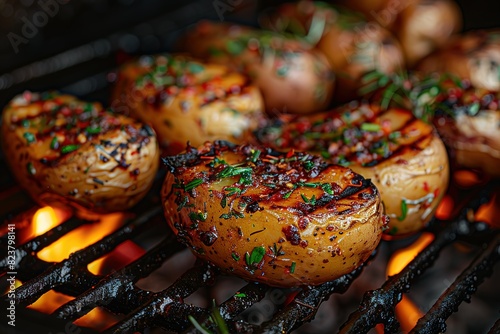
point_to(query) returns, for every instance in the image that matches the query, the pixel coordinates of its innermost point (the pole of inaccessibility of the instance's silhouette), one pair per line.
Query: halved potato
(284, 219)
(61, 148)
(402, 155)
(184, 99)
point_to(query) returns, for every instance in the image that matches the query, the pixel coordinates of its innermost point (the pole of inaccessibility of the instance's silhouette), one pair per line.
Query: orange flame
(47, 218)
(490, 212)
(466, 178)
(406, 311)
(75, 240)
(445, 208)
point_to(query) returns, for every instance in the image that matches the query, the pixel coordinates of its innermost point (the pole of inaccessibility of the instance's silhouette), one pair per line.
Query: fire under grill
(142, 310)
(83, 67)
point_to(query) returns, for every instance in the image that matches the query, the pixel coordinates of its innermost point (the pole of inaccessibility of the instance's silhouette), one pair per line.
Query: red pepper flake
(292, 234)
(436, 192)
(426, 186)
(290, 153)
(303, 223)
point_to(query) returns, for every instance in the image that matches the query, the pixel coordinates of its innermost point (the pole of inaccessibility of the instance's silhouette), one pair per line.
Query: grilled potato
(352, 45)
(468, 120)
(281, 219)
(188, 100)
(424, 26)
(399, 153)
(291, 76)
(59, 147)
(474, 56)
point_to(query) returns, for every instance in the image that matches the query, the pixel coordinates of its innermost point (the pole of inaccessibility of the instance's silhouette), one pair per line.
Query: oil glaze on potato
(63, 148)
(281, 219)
(187, 100)
(399, 153)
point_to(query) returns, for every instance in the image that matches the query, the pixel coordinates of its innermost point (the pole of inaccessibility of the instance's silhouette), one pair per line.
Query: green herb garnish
(31, 168)
(193, 184)
(93, 130)
(292, 267)
(404, 210)
(69, 148)
(54, 143)
(30, 138)
(256, 256)
(370, 127)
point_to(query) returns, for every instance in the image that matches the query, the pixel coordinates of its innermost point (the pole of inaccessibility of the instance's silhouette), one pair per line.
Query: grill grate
(118, 293)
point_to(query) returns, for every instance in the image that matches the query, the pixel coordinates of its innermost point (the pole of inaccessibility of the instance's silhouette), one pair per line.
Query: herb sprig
(423, 95)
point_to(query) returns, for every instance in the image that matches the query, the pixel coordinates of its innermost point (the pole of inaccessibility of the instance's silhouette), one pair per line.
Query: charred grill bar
(143, 309)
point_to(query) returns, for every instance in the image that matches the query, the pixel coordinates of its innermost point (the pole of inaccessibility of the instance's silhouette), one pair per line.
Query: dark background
(86, 39)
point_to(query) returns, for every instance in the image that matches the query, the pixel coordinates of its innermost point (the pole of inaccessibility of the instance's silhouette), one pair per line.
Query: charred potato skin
(292, 76)
(184, 99)
(101, 163)
(470, 127)
(403, 156)
(265, 231)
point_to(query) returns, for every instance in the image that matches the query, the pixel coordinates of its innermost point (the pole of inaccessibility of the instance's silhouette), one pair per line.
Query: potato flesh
(106, 168)
(300, 243)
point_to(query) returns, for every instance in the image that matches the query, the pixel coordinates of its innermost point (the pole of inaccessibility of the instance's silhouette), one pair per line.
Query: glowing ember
(490, 212)
(47, 218)
(406, 311)
(466, 178)
(97, 319)
(50, 301)
(77, 239)
(445, 208)
(402, 257)
(122, 255)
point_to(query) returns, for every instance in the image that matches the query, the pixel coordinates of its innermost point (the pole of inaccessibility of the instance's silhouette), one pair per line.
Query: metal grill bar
(378, 306)
(461, 290)
(65, 272)
(121, 283)
(496, 328)
(306, 303)
(160, 304)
